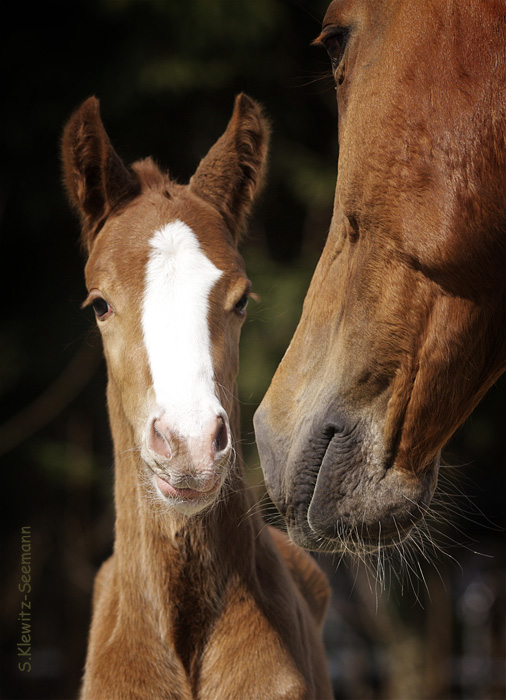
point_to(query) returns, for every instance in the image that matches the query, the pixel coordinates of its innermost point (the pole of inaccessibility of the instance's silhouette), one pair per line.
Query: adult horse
(403, 328)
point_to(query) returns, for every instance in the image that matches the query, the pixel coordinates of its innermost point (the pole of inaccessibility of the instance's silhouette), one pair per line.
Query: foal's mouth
(178, 480)
(184, 493)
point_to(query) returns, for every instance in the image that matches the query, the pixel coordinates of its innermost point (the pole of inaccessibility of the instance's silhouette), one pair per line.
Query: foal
(200, 599)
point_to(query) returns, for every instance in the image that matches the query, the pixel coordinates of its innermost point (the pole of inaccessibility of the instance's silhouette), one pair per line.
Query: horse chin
(303, 536)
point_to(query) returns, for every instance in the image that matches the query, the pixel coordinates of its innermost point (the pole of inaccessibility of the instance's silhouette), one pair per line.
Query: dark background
(166, 72)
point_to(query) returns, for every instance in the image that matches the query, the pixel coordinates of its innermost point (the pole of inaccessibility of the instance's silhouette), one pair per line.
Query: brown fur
(215, 605)
(403, 328)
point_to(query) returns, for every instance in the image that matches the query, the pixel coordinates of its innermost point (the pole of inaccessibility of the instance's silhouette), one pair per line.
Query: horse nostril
(160, 439)
(220, 441)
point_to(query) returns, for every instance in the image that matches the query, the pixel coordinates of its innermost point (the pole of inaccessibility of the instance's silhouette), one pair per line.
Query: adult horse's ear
(96, 179)
(231, 174)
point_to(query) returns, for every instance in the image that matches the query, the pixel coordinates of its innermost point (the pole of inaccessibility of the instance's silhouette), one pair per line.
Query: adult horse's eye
(335, 43)
(241, 305)
(100, 307)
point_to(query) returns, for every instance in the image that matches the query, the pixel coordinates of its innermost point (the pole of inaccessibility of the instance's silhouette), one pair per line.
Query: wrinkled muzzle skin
(402, 330)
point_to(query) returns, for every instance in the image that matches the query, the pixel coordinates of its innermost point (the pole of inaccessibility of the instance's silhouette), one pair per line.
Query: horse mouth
(187, 493)
(182, 493)
(341, 493)
(356, 538)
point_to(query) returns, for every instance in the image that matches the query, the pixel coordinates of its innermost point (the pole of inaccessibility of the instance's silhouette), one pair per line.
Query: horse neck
(155, 549)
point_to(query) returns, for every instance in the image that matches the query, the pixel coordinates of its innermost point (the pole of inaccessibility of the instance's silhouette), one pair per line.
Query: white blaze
(179, 279)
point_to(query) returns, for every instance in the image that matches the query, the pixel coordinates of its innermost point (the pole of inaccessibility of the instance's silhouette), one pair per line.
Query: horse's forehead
(474, 27)
(345, 13)
(123, 248)
(418, 73)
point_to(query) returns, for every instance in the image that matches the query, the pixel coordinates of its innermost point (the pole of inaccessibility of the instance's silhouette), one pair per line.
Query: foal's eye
(241, 305)
(335, 43)
(100, 307)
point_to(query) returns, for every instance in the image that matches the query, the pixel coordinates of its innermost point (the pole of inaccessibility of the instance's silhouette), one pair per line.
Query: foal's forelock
(178, 282)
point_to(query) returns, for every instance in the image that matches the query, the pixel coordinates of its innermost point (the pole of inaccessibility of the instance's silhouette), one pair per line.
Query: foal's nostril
(220, 441)
(160, 439)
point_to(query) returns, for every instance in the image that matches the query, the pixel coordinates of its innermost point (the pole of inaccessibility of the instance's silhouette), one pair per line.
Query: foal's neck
(161, 548)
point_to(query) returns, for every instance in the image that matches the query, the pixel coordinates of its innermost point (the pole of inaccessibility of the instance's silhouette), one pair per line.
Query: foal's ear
(95, 177)
(231, 174)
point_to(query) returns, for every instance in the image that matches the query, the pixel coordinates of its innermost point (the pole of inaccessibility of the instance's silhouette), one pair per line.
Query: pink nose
(207, 447)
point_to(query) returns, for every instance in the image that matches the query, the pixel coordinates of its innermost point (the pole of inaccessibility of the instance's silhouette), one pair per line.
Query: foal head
(169, 291)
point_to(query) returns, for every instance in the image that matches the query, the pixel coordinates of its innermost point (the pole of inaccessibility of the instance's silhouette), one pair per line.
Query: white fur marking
(179, 279)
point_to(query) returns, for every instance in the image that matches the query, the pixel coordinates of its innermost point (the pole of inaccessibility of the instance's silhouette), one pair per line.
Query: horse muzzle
(191, 468)
(336, 486)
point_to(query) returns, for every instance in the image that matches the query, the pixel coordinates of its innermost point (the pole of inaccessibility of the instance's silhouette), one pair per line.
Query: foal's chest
(245, 658)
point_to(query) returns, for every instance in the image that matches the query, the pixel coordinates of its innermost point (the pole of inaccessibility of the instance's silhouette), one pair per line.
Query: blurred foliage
(166, 73)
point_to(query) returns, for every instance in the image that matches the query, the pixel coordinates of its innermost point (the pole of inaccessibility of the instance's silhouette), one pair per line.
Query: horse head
(169, 291)
(403, 327)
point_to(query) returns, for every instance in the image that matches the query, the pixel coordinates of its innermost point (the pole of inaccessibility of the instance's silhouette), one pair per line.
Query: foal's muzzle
(204, 449)
(190, 468)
